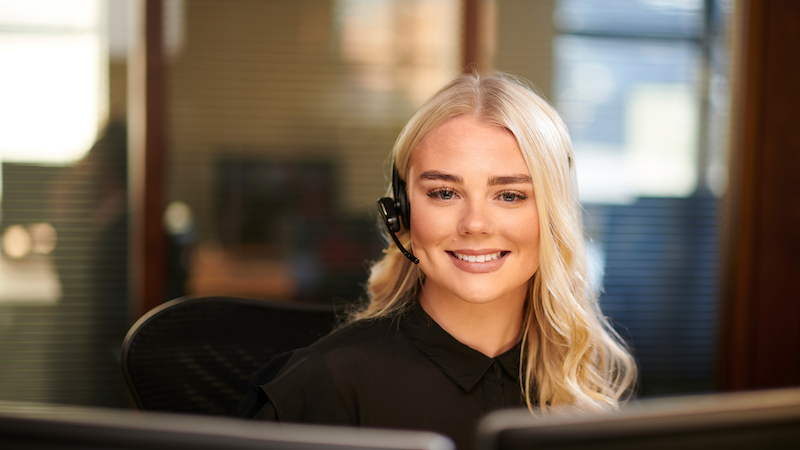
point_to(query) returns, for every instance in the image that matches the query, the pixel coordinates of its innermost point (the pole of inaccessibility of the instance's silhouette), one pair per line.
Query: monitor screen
(746, 420)
(43, 426)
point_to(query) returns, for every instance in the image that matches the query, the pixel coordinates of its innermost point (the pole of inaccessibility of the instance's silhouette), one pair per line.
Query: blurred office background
(153, 149)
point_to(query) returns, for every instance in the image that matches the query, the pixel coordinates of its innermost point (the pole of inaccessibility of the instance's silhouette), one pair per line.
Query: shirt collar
(464, 365)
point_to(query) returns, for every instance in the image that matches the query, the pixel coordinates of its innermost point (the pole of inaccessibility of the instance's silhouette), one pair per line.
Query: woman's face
(474, 224)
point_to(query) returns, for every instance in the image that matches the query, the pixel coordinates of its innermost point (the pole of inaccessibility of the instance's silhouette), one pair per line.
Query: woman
(498, 311)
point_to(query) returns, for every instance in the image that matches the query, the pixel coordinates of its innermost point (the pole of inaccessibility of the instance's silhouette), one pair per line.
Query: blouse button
(493, 368)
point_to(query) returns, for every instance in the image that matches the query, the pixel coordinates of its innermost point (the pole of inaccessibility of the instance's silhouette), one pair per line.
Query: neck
(491, 328)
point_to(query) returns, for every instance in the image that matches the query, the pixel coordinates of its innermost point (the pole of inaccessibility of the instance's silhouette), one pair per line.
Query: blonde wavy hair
(570, 354)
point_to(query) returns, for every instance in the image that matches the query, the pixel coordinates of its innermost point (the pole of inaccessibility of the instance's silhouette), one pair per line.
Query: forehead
(467, 145)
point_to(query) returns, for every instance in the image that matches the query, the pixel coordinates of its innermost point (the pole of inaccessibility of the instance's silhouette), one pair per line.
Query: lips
(481, 261)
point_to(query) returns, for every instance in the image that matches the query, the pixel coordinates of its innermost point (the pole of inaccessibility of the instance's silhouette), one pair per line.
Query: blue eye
(442, 194)
(511, 196)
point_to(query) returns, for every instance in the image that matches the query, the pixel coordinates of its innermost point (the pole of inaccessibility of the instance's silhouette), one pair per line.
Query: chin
(481, 296)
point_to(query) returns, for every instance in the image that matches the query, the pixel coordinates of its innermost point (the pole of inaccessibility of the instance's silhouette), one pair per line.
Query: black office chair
(195, 355)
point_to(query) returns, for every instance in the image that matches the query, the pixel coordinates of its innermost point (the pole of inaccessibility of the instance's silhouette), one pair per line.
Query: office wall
(63, 209)
(524, 33)
(275, 82)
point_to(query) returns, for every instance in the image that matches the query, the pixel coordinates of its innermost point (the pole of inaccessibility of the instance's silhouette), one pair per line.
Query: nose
(475, 218)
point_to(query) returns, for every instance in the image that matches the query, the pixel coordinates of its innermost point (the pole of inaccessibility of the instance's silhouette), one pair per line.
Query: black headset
(396, 212)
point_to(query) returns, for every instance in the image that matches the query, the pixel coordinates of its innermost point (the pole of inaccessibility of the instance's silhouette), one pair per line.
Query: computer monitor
(746, 420)
(57, 427)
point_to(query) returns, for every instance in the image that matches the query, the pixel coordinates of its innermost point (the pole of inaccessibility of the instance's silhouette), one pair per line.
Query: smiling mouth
(489, 257)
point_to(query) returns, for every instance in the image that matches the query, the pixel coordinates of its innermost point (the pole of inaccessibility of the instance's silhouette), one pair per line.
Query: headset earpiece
(396, 212)
(401, 204)
(389, 214)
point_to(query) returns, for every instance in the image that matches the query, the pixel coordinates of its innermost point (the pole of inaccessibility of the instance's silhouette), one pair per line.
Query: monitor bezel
(117, 428)
(644, 419)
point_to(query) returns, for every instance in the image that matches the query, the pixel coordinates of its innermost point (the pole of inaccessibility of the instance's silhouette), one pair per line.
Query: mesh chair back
(195, 355)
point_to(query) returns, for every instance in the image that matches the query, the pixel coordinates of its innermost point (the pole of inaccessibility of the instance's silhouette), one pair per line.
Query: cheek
(429, 225)
(533, 237)
(525, 232)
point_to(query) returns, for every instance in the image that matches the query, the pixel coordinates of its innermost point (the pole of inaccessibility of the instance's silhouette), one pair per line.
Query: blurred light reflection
(46, 118)
(17, 242)
(44, 238)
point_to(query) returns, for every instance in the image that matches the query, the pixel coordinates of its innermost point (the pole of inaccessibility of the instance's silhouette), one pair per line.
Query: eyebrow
(510, 179)
(493, 181)
(440, 176)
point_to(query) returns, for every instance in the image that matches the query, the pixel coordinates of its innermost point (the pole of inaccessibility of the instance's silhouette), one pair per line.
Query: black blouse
(405, 372)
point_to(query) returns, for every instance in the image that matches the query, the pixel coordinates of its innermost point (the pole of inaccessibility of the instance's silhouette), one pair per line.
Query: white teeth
(478, 258)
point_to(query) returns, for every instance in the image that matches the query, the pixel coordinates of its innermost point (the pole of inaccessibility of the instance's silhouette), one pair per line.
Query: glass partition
(642, 87)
